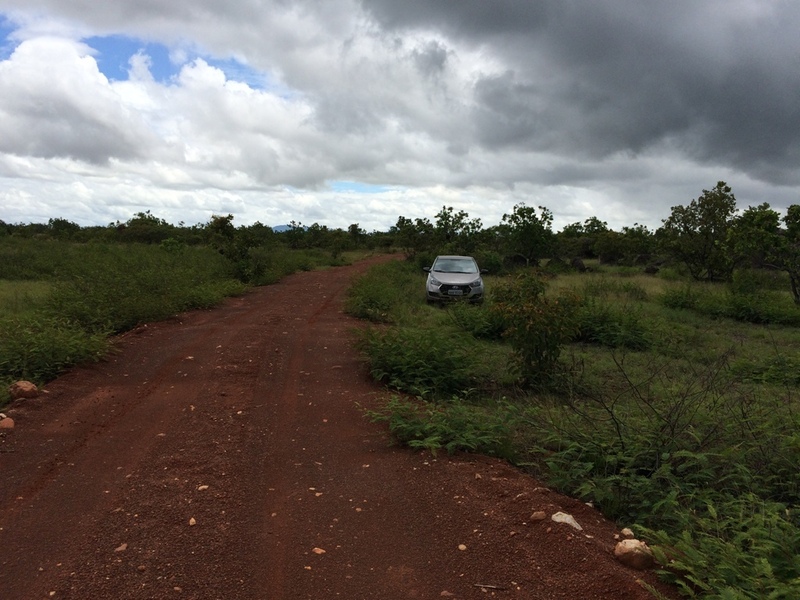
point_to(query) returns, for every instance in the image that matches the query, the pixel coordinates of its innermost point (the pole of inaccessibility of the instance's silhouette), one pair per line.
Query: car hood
(456, 278)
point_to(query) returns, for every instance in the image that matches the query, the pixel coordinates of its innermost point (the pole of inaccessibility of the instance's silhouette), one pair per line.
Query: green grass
(21, 298)
(674, 409)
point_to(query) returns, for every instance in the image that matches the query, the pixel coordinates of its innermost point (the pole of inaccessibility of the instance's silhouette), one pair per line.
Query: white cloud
(619, 110)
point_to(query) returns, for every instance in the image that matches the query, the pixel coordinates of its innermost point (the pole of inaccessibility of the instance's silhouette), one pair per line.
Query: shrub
(611, 325)
(378, 292)
(535, 325)
(491, 261)
(117, 287)
(418, 362)
(683, 297)
(479, 321)
(780, 370)
(454, 427)
(37, 349)
(736, 547)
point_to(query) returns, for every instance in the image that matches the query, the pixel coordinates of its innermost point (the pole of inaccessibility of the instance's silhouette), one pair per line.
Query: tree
(356, 235)
(295, 235)
(455, 232)
(526, 234)
(145, 228)
(256, 235)
(580, 239)
(413, 236)
(790, 257)
(62, 228)
(697, 235)
(758, 239)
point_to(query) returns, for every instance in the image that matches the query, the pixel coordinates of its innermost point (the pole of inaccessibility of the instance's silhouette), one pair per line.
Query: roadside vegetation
(625, 368)
(65, 290)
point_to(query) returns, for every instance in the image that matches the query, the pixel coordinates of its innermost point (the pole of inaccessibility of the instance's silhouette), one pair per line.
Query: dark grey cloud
(431, 59)
(61, 130)
(718, 79)
(471, 18)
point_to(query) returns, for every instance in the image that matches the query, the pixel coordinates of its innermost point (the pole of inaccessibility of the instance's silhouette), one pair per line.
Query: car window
(455, 265)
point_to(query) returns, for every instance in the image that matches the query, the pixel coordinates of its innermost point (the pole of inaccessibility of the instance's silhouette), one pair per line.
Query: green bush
(419, 362)
(34, 259)
(736, 548)
(454, 427)
(491, 261)
(536, 326)
(743, 300)
(683, 297)
(611, 325)
(478, 320)
(779, 370)
(265, 265)
(118, 287)
(37, 349)
(376, 294)
(750, 281)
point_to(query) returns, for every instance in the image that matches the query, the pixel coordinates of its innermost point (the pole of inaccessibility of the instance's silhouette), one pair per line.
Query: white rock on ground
(23, 389)
(562, 517)
(634, 554)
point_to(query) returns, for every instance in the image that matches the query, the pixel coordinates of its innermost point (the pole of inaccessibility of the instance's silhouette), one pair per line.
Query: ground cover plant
(663, 403)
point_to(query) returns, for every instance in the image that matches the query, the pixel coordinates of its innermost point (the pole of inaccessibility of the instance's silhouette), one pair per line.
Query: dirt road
(224, 455)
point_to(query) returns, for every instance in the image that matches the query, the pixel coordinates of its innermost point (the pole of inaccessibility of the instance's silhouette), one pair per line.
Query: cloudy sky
(347, 111)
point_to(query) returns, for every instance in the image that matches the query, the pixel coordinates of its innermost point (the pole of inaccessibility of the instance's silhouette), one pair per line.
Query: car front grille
(445, 289)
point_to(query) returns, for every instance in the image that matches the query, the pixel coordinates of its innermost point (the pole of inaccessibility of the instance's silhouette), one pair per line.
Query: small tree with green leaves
(413, 236)
(757, 237)
(697, 234)
(455, 232)
(536, 325)
(528, 234)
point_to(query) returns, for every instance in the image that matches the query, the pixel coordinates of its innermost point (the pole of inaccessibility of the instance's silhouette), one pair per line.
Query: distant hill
(281, 228)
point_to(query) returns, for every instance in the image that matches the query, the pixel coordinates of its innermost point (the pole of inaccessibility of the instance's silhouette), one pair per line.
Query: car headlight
(476, 284)
(434, 281)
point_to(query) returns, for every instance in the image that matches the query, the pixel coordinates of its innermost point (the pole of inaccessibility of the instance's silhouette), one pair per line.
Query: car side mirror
(426, 269)
(484, 271)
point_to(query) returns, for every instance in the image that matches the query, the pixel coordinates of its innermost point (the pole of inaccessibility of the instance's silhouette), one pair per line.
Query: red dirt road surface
(224, 455)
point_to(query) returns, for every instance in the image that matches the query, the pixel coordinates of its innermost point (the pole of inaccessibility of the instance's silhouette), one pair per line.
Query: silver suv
(454, 278)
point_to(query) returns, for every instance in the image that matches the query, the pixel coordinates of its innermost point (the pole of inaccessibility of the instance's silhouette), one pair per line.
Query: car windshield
(455, 265)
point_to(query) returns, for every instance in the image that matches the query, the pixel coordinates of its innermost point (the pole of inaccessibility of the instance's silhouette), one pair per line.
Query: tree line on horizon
(709, 238)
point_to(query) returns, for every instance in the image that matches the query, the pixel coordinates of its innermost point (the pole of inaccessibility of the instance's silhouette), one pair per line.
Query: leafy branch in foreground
(453, 427)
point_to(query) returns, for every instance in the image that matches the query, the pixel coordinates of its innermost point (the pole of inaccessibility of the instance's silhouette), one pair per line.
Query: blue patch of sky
(114, 53)
(237, 71)
(357, 187)
(7, 45)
